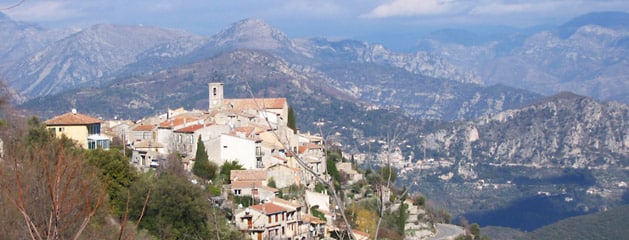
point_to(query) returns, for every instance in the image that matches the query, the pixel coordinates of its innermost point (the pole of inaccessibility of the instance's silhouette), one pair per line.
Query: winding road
(447, 232)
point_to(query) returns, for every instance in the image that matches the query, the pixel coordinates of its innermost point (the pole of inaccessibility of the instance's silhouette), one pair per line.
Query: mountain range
(487, 113)
(587, 56)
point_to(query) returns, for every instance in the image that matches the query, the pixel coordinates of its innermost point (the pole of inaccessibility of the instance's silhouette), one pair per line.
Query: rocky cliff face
(422, 63)
(566, 131)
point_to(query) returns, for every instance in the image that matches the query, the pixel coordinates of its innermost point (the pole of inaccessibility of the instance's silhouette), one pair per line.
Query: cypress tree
(202, 167)
(292, 122)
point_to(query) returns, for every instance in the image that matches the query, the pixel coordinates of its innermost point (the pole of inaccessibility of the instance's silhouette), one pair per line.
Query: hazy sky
(307, 18)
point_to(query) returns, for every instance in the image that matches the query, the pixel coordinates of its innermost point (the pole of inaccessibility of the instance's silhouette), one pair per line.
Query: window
(97, 143)
(214, 91)
(237, 192)
(104, 144)
(93, 129)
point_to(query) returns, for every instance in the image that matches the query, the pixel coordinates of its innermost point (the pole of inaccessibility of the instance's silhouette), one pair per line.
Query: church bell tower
(215, 95)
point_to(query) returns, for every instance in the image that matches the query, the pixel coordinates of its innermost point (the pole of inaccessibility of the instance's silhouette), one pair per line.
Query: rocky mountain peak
(562, 97)
(613, 20)
(252, 33)
(84, 58)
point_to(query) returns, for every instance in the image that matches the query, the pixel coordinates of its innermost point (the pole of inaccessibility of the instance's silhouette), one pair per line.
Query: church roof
(241, 104)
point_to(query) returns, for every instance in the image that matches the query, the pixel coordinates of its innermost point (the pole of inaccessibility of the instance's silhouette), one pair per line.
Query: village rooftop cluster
(251, 131)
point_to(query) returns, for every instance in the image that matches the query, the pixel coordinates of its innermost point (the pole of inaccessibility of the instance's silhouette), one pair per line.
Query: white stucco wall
(229, 148)
(318, 199)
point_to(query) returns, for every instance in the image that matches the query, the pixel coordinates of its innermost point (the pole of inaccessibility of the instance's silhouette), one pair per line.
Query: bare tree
(50, 185)
(387, 185)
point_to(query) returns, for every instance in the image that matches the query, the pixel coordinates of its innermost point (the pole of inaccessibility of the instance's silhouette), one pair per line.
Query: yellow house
(79, 127)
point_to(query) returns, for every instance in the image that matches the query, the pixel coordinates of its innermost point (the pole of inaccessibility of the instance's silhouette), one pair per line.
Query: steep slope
(20, 38)
(591, 61)
(85, 58)
(353, 51)
(421, 96)
(248, 34)
(571, 130)
(251, 34)
(562, 156)
(611, 224)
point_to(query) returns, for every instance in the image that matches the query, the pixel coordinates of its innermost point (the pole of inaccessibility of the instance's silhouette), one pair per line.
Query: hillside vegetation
(611, 224)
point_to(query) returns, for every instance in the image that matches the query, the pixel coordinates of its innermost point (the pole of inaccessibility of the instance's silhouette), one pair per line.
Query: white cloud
(42, 11)
(413, 8)
(502, 8)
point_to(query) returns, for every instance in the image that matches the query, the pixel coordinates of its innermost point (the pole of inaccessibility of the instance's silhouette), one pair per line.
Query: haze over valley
(529, 124)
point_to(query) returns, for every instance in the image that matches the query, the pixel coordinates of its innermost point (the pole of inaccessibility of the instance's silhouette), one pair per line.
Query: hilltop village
(273, 159)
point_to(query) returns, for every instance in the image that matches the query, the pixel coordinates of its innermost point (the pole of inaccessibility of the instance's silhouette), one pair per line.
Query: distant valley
(476, 125)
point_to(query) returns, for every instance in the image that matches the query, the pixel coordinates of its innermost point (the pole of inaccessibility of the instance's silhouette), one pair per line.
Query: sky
(355, 19)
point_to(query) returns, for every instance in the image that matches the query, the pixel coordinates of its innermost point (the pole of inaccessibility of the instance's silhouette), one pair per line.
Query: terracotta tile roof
(252, 184)
(246, 129)
(314, 146)
(192, 129)
(144, 128)
(248, 175)
(283, 165)
(240, 104)
(308, 146)
(270, 189)
(72, 119)
(311, 219)
(302, 149)
(177, 121)
(286, 203)
(246, 184)
(268, 208)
